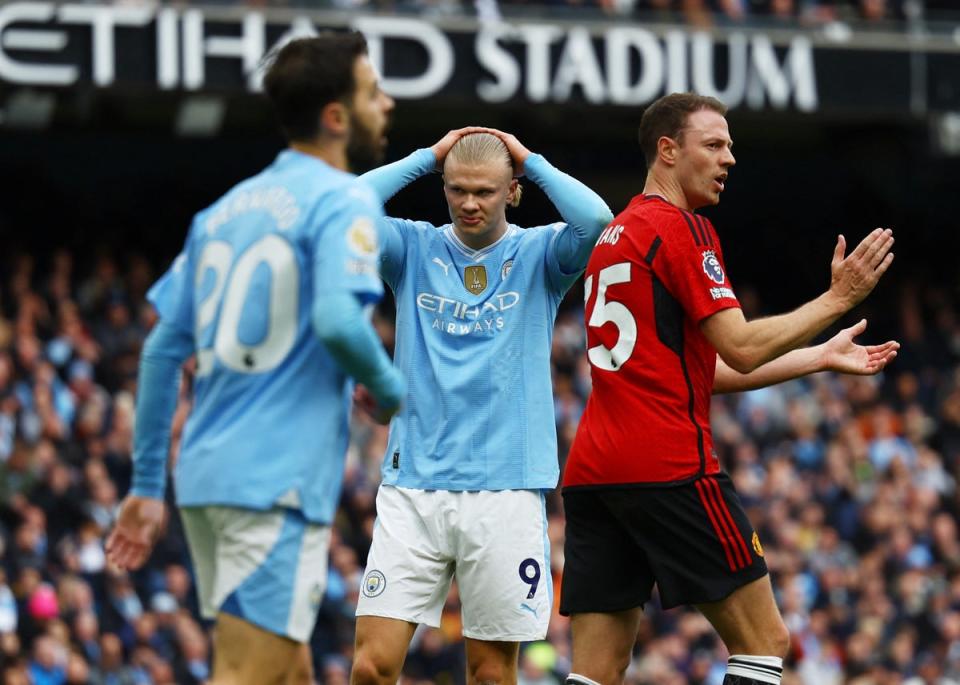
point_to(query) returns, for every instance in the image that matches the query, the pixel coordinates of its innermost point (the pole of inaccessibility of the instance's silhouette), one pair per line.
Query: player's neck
(667, 188)
(329, 151)
(479, 242)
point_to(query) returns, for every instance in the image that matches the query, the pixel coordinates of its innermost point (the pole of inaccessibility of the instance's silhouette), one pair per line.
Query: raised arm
(746, 345)
(585, 212)
(390, 179)
(840, 354)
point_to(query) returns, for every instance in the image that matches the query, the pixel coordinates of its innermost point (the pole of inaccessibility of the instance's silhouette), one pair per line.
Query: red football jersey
(655, 273)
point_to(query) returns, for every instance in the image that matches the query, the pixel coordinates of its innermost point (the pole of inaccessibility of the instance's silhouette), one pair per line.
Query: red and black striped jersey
(656, 272)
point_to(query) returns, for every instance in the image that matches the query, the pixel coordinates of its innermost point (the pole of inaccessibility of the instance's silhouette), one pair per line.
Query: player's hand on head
(518, 151)
(442, 147)
(138, 525)
(855, 275)
(843, 355)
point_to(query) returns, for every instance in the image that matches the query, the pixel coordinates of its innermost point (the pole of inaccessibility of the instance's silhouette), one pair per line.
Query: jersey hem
(638, 484)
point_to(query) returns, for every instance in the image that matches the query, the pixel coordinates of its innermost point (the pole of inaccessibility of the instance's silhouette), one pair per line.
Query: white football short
(493, 542)
(266, 567)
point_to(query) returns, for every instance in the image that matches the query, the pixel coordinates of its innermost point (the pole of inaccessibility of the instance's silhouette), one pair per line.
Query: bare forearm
(793, 364)
(755, 343)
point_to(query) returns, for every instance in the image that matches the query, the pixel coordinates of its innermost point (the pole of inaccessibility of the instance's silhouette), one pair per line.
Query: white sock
(761, 669)
(577, 679)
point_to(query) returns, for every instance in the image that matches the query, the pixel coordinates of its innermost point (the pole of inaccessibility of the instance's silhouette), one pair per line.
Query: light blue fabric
(474, 331)
(271, 402)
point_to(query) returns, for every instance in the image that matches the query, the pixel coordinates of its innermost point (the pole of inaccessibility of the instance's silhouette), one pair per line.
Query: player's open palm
(854, 276)
(138, 526)
(843, 355)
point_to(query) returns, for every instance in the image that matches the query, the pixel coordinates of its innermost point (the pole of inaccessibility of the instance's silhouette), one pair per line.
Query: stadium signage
(49, 44)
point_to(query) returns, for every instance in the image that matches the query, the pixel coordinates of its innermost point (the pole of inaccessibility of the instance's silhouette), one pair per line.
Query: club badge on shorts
(711, 267)
(757, 547)
(475, 278)
(374, 584)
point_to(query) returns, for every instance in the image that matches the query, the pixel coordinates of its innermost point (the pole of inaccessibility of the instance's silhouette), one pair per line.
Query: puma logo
(440, 263)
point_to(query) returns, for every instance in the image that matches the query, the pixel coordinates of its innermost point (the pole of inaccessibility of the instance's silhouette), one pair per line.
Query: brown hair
(668, 117)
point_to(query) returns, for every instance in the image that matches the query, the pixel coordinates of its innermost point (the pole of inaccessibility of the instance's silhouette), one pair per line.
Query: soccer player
(269, 294)
(474, 446)
(644, 496)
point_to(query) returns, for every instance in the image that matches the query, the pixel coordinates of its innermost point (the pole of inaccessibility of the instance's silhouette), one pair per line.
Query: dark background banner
(458, 60)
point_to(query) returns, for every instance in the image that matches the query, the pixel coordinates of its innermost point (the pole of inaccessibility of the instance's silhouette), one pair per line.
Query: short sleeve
(172, 294)
(345, 246)
(692, 268)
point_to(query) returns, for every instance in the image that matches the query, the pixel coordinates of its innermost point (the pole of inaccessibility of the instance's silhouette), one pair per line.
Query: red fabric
(647, 419)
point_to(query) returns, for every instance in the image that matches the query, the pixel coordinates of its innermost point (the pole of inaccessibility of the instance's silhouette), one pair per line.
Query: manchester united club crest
(757, 547)
(711, 267)
(475, 278)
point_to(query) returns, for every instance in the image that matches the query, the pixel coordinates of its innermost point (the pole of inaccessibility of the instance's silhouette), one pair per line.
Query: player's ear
(667, 149)
(335, 118)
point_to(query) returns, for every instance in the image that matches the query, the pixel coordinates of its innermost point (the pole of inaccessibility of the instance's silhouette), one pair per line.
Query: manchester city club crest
(505, 269)
(711, 267)
(374, 584)
(475, 278)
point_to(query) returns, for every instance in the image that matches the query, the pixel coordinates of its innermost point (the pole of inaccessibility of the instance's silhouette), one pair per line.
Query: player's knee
(780, 639)
(372, 669)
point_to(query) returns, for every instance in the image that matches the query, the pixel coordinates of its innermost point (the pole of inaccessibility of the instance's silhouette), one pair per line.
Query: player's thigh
(748, 621)
(246, 654)
(605, 570)
(491, 662)
(697, 538)
(503, 565)
(270, 569)
(410, 565)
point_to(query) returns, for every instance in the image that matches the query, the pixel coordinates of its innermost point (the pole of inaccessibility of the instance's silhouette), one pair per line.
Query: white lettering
(22, 72)
(498, 62)
(103, 20)
(440, 60)
(578, 65)
(538, 40)
(704, 69)
(620, 43)
(769, 80)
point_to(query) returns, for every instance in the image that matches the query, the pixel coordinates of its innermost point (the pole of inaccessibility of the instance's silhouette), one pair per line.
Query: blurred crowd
(851, 483)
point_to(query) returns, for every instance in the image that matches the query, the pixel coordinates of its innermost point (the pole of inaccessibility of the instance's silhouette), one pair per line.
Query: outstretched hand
(843, 355)
(364, 399)
(136, 531)
(854, 276)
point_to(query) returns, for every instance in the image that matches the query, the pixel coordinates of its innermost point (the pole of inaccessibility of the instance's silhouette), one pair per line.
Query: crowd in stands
(851, 483)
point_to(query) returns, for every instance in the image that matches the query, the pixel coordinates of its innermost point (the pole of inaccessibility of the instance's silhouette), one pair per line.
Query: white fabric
(425, 538)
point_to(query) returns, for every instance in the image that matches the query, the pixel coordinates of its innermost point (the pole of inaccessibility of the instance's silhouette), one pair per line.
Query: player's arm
(142, 513)
(747, 345)
(340, 323)
(390, 179)
(584, 212)
(840, 354)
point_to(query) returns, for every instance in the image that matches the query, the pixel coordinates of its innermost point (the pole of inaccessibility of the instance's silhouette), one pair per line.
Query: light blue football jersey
(474, 331)
(269, 421)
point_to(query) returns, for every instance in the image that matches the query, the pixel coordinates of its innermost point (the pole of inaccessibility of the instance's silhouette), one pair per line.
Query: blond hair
(482, 148)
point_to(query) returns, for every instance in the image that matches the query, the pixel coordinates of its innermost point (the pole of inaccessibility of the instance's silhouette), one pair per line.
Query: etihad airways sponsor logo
(460, 318)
